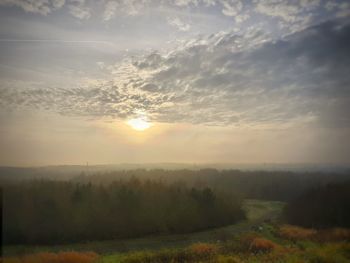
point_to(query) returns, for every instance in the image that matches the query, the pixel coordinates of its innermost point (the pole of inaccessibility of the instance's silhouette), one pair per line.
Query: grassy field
(258, 211)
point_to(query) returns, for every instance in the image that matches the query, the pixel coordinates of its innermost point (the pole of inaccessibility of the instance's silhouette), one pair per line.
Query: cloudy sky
(253, 81)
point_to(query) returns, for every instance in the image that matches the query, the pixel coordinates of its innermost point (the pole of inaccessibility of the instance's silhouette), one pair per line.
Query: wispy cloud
(178, 23)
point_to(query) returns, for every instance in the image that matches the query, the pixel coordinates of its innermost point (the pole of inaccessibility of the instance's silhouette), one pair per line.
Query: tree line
(321, 207)
(49, 212)
(267, 185)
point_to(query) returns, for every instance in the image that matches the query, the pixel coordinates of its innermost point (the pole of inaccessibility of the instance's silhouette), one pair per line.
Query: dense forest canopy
(56, 212)
(321, 207)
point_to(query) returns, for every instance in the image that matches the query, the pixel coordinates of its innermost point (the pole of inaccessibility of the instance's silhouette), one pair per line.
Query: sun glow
(139, 124)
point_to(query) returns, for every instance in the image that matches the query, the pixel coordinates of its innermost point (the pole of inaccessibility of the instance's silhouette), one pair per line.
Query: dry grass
(333, 235)
(203, 251)
(256, 244)
(63, 257)
(296, 233)
(260, 244)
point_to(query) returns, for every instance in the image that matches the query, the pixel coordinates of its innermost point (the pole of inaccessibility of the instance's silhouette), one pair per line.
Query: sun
(139, 124)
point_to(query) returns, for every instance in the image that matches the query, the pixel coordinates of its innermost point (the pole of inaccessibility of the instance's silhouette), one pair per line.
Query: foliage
(254, 243)
(332, 235)
(246, 248)
(331, 253)
(296, 233)
(322, 207)
(57, 212)
(203, 251)
(266, 185)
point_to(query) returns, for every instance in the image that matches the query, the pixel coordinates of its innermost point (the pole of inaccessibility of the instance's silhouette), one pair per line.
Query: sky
(210, 81)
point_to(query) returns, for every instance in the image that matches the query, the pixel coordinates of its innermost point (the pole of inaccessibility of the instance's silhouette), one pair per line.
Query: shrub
(333, 235)
(253, 243)
(246, 239)
(203, 251)
(262, 245)
(296, 233)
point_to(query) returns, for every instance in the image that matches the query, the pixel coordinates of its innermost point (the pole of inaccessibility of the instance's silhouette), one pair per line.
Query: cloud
(124, 8)
(278, 8)
(178, 23)
(79, 9)
(42, 7)
(294, 15)
(250, 79)
(186, 2)
(110, 10)
(232, 7)
(57, 4)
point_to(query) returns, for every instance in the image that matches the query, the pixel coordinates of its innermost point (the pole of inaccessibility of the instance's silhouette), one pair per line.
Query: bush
(203, 251)
(262, 245)
(333, 235)
(253, 243)
(295, 233)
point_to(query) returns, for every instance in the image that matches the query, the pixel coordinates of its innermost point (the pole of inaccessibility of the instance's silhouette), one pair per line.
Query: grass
(62, 257)
(248, 248)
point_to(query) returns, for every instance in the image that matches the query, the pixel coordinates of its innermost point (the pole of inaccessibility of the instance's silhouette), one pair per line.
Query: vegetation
(56, 212)
(322, 207)
(266, 241)
(164, 208)
(247, 248)
(62, 257)
(257, 212)
(251, 247)
(263, 185)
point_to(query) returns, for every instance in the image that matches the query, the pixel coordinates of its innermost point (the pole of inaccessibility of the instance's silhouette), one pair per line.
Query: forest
(256, 184)
(52, 212)
(321, 207)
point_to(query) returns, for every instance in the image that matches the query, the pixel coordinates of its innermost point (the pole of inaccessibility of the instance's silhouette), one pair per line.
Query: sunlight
(139, 124)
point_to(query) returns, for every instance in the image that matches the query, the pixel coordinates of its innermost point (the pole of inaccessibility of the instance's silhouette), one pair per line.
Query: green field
(257, 212)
